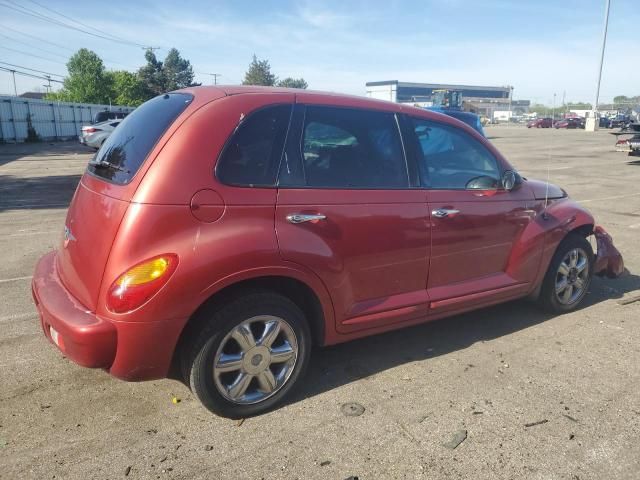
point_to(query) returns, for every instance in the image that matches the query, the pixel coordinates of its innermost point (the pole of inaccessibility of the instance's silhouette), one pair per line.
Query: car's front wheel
(569, 275)
(249, 355)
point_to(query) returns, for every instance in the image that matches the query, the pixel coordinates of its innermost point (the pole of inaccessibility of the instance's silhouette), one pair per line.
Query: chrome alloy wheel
(572, 277)
(255, 359)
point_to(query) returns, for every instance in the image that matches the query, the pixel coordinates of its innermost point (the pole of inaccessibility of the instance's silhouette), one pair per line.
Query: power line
(214, 75)
(40, 39)
(39, 16)
(31, 55)
(77, 21)
(31, 46)
(32, 69)
(26, 74)
(106, 60)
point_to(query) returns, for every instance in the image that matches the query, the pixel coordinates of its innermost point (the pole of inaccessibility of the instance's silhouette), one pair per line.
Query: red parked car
(569, 123)
(227, 230)
(540, 123)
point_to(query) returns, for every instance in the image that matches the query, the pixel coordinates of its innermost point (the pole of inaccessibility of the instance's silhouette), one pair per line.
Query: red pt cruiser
(227, 230)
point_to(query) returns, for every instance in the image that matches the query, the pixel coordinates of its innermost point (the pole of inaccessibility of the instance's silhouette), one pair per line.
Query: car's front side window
(349, 148)
(449, 158)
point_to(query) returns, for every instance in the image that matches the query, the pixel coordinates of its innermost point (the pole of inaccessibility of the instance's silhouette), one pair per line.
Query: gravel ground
(522, 394)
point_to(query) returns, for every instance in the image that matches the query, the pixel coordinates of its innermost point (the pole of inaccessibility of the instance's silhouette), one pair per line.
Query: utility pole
(215, 77)
(595, 122)
(15, 90)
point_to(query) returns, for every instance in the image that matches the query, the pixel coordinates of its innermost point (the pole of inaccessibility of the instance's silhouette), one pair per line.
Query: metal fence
(51, 120)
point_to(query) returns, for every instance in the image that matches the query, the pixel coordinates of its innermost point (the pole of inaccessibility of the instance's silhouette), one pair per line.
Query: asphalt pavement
(502, 393)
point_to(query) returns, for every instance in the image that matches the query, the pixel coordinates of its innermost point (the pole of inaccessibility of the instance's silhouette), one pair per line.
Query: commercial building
(478, 99)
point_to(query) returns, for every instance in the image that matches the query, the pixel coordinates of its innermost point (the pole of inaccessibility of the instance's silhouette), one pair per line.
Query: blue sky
(541, 47)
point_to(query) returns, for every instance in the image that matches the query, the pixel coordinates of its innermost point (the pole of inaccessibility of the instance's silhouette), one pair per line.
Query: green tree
(127, 88)
(578, 106)
(87, 81)
(259, 73)
(172, 74)
(177, 71)
(541, 110)
(293, 83)
(624, 100)
(151, 74)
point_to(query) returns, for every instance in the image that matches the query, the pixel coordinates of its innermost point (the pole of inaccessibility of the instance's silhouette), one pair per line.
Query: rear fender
(290, 270)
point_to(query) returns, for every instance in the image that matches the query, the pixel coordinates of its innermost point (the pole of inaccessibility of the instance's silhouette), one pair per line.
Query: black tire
(549, 299)
(198, 358)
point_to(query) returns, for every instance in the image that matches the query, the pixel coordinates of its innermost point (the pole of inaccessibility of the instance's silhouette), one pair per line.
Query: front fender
(554, 222)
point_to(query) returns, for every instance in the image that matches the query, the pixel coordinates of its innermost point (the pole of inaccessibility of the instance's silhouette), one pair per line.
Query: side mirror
(511, 180)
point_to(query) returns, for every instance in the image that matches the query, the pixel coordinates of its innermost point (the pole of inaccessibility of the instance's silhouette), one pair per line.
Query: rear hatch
(105, 191)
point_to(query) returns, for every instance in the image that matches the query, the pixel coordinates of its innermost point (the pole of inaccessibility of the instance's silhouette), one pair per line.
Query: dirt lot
(540, 397)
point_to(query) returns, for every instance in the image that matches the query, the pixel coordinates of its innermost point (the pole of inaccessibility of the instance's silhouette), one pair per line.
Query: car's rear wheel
(249, 355)
(569, 275)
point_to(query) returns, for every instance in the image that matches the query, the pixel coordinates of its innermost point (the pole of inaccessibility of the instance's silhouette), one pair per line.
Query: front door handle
(444, 212)
(302, 218)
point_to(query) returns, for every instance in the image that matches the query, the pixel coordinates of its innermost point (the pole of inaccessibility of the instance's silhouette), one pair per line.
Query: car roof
(211, 92)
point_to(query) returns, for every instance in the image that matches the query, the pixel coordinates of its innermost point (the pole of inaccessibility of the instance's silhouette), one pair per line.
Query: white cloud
(322, 17)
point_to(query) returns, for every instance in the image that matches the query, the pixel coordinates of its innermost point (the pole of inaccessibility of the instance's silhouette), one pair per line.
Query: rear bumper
(82, 336)
(136, 350)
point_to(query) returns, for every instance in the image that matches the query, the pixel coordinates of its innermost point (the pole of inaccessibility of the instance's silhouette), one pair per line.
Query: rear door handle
(444, 212)
(302, 218)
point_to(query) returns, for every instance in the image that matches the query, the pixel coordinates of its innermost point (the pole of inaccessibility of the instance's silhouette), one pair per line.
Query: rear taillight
(141, 282)
(91, 130)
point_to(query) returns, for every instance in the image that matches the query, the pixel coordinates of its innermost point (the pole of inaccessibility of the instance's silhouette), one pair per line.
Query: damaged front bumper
(609, 262)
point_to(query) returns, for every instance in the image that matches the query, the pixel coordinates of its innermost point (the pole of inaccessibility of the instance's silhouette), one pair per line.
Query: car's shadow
(38, 151)
(338, 365)
(36, 181)
(54, 191)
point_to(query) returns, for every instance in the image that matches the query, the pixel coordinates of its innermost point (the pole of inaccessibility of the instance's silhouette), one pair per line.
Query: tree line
(620, 102)
(544, 110)
(88, 80)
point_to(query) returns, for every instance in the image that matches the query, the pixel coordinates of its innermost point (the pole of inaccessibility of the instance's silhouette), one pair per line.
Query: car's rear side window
(127, 147)
(350, 148)
(252, 154)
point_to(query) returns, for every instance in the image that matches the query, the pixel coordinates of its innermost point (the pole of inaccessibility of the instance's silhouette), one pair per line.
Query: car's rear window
(127, 147)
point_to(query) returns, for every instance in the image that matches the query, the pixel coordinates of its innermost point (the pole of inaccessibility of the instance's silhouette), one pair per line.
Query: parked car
(301, 219)
(95, 135)
(621, 121)
(540, 123)
(106, 115)
(469, 118)
(604, 122)
(568, 123)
